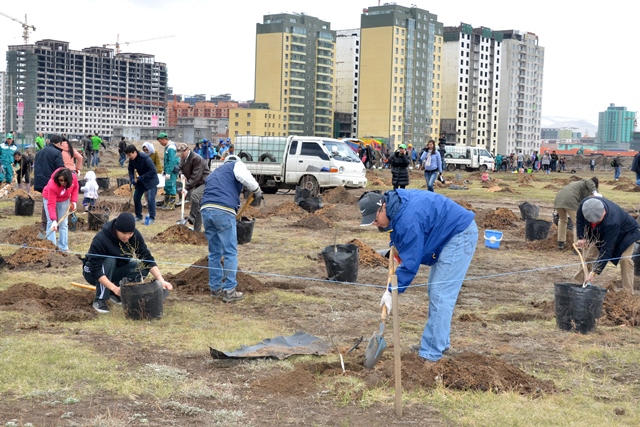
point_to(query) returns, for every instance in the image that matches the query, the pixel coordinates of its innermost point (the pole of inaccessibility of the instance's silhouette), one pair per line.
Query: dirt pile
(620, 308)
(500, 219)
(467, 371)
(17, 193)
(123, 190)
(466, 205)
(339, 195)
(180, 234)
(314, 222)
(26, 235)
(632, 188)
(41, 254)
(194, 280)
(338, 212)
(368, 257)
(551, 187)
(286, 210)
(57, 304)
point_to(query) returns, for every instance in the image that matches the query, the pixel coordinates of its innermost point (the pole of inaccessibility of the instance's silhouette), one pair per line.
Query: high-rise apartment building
(399, 87)
(3, 103)
(615, 127)
(58, 90)
(470, 86)
(295, 71)
(520, 108)
(347, 78)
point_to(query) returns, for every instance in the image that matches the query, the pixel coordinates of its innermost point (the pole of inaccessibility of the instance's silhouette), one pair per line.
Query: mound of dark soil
(620, 308)
(339, 195)
(500, 219)
(469, 317)
(26, 235)
(467, 371)
(314, 222)
(337, 212)
(194, 280)
(287, 210)
(42, 254)
(180, 234)
(466, 205)
(57, 304)
(368, 257)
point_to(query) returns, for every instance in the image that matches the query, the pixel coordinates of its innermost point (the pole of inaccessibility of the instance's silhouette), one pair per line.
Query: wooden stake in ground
(396, 337)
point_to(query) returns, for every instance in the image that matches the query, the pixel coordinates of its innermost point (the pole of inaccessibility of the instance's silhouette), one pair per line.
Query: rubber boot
(170, 204)
(160, 204)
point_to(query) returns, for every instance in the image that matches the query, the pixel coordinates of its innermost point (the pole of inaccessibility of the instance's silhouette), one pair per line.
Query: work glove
(184, 192)
(257, 197)
(596, 194)
(54, 226)
(73, 206)
(167, 176)
(386, 301)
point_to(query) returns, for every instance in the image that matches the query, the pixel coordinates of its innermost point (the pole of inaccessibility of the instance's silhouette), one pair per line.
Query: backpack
(613, 163)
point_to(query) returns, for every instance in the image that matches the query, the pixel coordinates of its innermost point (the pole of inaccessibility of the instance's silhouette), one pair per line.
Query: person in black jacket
(635, 167)
(399, 162)
(122, 145)
(46, 162)
(147, 181)
(111, 259)
(609, 232)
(195, 170)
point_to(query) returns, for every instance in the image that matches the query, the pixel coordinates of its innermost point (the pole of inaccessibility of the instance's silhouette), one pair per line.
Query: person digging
(608, 233)
(426, 229)
(196, 170)
(117, 252)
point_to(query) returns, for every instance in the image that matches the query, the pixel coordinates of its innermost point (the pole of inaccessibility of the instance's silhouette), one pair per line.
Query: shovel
(60, 220)
(377, 344)
(127, 205)
(249, 200)
(182, 220)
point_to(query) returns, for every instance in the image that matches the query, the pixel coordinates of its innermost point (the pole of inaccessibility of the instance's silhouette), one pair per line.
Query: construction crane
(117, 43)
(25, 26)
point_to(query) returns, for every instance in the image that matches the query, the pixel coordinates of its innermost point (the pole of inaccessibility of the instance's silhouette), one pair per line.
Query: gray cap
(592, 209)
(369, 204)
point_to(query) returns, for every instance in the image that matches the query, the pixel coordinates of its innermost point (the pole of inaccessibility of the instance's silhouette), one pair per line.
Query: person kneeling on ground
(446, 242)
(609, 233)
(111, 259)
(219, 205)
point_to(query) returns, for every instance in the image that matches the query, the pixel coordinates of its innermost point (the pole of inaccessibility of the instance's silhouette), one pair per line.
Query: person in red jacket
(58, 196)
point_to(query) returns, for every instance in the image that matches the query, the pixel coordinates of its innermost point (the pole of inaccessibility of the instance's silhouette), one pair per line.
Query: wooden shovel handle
(249, 200)
(392, 271)
(83, 286)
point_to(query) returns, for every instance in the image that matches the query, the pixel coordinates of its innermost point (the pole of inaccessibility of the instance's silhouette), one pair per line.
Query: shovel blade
(375, 348)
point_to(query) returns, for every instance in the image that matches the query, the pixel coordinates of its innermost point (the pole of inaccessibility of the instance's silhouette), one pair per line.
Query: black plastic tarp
(277, 348)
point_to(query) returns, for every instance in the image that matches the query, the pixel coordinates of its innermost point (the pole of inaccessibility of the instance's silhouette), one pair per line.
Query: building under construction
(53, 89)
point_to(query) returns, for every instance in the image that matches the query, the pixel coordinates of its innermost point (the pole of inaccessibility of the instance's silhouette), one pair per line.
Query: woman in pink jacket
(71, 158)
(60, 191)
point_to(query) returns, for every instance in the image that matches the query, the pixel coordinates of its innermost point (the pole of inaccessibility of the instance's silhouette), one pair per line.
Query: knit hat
(592, 209)
(369, 204)
(125, 223)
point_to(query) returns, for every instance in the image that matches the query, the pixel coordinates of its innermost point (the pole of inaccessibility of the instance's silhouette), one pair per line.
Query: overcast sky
(590, 51)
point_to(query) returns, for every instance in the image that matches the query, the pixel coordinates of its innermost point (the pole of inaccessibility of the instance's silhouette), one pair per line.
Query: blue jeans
(637, 178)
(123, 158)
(430, 177)
(616, 173)
(95, 159)
(151, 200)
(445, 280)
(220, 231)
(63, 228)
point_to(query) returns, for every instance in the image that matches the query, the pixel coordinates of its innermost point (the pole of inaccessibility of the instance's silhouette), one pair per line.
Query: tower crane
(25, 26)
(117, 43)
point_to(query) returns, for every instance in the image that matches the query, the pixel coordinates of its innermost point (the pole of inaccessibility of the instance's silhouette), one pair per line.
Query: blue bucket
(492, 239)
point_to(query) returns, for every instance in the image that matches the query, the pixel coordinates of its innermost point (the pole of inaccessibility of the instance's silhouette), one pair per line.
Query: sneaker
(151, 221)
(139, 219)
(115, 299)
(416, 348)
(218, 293)
(100, 306)
(560, 245)
(233, 295)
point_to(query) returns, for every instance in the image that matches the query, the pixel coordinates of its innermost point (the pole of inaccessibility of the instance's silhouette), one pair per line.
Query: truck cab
(468, 158)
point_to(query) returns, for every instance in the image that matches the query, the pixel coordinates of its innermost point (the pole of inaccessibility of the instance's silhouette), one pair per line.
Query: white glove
(182, 177)
(167, 176)
(73, 206)
(386, 301)
(596, 194)
(54, 226)
(184, 191)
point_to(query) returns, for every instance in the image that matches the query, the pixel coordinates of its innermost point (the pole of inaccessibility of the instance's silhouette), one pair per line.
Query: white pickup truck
(468, 158)
(311, 162)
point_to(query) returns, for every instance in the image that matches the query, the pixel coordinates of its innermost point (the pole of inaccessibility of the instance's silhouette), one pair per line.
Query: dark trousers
(130, 270)
(151, 200)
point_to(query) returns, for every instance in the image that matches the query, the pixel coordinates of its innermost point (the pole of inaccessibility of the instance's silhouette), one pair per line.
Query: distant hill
(581, 125)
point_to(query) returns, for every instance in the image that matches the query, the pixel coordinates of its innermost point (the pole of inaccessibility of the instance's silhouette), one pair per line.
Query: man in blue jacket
(609, 232)
(147, 181)
(428, 229)
(219, 205)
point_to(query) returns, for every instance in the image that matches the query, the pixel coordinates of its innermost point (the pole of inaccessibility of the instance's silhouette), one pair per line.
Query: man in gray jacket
(566, 203)
(195, 170)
